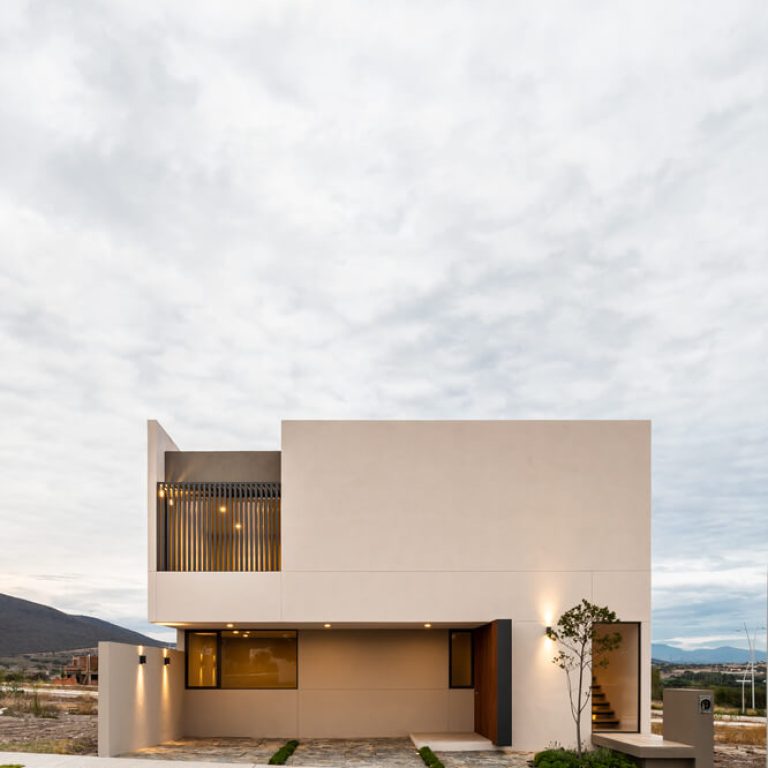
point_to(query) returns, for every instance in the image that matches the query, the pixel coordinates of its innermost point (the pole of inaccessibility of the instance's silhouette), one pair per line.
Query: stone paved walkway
(498, 759)
(357, 753)
(325, 753)
(215, 750)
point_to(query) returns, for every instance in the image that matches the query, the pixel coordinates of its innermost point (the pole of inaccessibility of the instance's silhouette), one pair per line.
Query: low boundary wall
(140, 705)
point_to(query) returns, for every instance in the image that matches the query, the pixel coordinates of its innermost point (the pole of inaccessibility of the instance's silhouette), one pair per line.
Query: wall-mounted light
(166, 660)
(142, 658)
(550, 633)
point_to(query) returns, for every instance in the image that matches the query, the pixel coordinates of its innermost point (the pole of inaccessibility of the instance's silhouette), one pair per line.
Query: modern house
(380, 578)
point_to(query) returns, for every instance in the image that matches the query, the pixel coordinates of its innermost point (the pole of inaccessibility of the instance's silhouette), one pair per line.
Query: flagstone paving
(215, 750)
(356, 753)
(326, 753)
(494, 759)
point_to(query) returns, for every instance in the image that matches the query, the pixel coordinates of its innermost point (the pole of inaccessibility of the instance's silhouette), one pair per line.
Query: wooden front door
(492, 646)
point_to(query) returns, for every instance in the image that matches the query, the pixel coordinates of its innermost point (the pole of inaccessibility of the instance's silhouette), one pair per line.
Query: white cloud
(222, 219)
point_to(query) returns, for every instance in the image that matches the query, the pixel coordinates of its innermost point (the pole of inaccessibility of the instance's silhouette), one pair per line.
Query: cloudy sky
(224, 214)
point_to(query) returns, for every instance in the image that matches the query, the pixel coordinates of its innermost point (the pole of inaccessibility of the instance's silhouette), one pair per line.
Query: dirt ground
(738, 756)
(66, 734)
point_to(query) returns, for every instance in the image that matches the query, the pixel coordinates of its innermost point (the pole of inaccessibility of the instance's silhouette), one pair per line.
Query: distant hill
(723, 655)
(27, 627)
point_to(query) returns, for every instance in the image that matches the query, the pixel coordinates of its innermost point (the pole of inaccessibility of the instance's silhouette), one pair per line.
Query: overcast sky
(220, 215)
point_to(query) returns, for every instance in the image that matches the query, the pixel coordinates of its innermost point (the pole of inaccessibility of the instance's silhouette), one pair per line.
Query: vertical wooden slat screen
(218, 526)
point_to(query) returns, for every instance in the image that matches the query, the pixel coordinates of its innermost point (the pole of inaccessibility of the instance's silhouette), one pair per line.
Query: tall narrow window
(461, 659)
(201, 659)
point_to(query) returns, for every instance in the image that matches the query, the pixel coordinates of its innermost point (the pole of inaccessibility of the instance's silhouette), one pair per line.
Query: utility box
(689, 719)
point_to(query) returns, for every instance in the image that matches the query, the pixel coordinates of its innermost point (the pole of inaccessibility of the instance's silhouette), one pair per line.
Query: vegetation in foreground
(431, 760)
(281, 756)
(570, 758)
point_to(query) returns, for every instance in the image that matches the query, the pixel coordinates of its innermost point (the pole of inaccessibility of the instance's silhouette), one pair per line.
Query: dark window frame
(471, 659)
(219, 660)
(639, 625)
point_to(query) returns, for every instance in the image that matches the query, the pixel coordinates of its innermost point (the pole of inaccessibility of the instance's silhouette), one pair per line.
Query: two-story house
(380, 578)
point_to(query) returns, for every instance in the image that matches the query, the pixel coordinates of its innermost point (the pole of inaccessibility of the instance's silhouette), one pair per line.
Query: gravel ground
(64, 734)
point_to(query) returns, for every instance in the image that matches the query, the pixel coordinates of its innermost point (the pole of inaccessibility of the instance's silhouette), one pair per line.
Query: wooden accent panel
(218, 526)
(493, 681)
(486, 719)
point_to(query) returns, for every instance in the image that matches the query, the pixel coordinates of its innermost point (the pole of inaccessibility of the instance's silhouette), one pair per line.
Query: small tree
(582, 650)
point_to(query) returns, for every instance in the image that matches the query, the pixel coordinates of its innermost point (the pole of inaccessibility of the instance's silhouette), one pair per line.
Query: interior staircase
(603, 717)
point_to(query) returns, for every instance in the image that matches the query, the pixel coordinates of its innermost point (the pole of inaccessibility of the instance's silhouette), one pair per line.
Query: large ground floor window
(242, 658)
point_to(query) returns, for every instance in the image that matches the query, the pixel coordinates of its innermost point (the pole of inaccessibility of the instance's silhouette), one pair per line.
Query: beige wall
(139, 704)
(502, 495)
(449, 522)
(223, 466)
(351, 683)
(158, 443)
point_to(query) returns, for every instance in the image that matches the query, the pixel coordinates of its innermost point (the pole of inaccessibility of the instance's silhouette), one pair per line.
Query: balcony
(218, 526)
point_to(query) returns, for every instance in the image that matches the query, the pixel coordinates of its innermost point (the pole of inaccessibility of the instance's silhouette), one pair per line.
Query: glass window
(201, 659)
(461, 658)
(258, 659)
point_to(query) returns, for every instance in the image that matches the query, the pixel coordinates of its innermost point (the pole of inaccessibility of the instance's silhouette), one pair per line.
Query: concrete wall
(159, 442)
(351, 683)
(139, 704)
(223, 466)
(402, 523)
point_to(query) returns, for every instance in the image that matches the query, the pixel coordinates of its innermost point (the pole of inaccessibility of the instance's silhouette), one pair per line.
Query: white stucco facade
(387, 526)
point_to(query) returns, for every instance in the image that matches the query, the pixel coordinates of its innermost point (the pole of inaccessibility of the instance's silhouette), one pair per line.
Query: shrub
(431, 760)
(281, 756)
(569, 758)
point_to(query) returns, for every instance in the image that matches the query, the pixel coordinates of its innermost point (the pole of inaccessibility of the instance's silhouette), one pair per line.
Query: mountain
(723, 655)
(27, 627)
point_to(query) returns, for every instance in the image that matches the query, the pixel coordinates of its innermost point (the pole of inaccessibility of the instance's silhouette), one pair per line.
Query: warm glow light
(170, 502)
(327, 626)
(238, 526)
(236, 632)
(427, 626)
(161, 493)
(222, 509)
(230, 625)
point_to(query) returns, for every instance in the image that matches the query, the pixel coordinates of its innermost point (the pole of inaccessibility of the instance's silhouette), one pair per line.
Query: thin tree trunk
(579, 708)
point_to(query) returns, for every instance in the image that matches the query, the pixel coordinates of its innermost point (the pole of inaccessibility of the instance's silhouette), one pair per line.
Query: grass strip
(281, 756)
(431, 760)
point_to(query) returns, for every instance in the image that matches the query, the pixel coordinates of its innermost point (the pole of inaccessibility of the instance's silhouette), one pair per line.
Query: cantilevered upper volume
(376, 578)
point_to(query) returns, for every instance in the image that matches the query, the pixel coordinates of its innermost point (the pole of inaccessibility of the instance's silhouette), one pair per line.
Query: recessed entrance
(616, 687)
